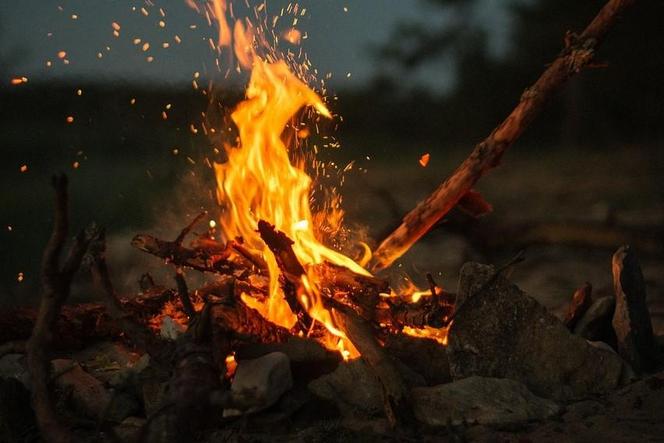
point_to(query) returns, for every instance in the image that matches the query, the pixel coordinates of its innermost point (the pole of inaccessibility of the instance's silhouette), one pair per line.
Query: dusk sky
(338, 40)
(340, 34)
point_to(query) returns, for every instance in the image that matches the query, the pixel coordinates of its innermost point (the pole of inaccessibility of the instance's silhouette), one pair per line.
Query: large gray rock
(258, 383)
(480, 400)
(499, 331)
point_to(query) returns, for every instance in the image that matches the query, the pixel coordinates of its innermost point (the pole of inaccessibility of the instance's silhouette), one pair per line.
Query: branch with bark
(577, 55)
(56, 278)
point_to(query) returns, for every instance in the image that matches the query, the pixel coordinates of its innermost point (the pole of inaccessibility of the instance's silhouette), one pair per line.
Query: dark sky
(338, 41)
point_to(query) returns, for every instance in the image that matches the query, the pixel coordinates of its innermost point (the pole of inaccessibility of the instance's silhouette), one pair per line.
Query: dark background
(427, 76)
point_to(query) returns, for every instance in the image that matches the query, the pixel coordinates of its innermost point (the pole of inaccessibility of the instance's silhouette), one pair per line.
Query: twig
(180, 238)
(199, 259)
(183, 293)
(55, 282)
(575, 57)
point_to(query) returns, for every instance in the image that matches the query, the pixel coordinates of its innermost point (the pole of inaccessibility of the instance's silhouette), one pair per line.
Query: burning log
(577, 55)
(354, 327)
(291, 269)
(56, 281)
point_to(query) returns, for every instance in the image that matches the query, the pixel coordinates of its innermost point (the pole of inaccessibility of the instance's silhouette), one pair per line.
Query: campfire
(287, 321)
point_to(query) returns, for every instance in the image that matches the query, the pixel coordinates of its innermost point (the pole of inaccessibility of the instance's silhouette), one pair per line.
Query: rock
(631, 319)
(480, 400)
(308, 358)
(17, 420)
(129, 429)
(170, 329)
(259, 383)
(107, 361)
(354, 387)
(88, 394)
(499, 331)
(595, 324)
(14, 366)
(423, 356)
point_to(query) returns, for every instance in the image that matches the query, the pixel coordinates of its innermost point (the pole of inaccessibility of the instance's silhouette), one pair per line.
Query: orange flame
(259, 182)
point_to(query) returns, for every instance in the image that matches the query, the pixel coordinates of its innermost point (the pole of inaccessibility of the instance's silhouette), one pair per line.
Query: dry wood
(55, 281)
(183, 294)
(581, 301)
(578, 54)
(203, 259)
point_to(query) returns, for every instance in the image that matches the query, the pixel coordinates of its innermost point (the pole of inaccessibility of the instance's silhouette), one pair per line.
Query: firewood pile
(176, 363)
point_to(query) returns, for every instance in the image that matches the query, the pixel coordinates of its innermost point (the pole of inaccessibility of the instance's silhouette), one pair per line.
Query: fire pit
(297, 336)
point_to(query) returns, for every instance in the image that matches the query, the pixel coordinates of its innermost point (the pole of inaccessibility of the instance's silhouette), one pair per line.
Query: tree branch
(487, 154)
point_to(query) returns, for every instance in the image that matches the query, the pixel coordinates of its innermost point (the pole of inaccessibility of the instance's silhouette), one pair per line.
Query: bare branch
(575, 57)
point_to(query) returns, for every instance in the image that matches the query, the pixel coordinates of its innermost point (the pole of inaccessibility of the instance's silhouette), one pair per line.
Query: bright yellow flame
(259, 182)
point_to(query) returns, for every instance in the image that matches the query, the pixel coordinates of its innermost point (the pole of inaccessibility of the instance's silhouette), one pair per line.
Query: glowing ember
(424, 160)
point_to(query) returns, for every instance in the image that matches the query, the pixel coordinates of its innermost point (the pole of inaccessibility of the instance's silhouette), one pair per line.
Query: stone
(308, 358)
(170, 329)
(352, 387)
(14, 366)
(88, 395)
(595, 324)
(480, 400)
(499, 331)
(423, 356)
(259, 383)
(631, 319)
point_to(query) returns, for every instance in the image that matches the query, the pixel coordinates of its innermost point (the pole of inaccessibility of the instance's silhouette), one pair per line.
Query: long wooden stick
(577, 54)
